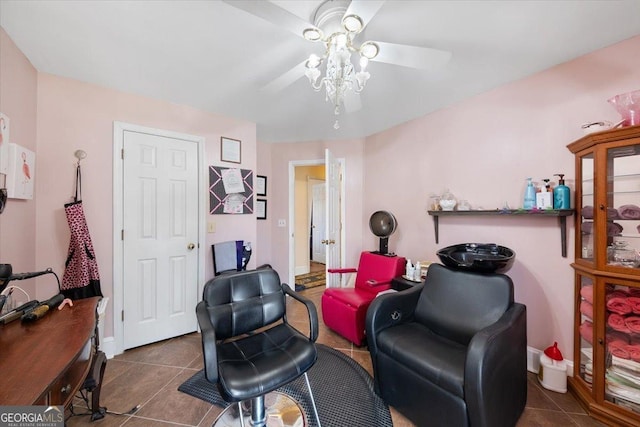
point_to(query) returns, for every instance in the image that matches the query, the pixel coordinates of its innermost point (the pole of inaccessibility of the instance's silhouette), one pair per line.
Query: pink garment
(617, 323)
(634, 302)
(634, 352)
(586, 292)
(629, 212)
(586, 331)
(633, 323)
(586, 308)
(619, 305)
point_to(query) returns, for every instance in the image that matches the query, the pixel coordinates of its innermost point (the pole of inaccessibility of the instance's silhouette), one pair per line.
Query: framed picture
(261, 208)
(261, 185)
(20, 176)
(230, 150)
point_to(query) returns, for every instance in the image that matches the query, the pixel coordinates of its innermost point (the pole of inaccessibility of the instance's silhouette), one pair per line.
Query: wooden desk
(47, 361)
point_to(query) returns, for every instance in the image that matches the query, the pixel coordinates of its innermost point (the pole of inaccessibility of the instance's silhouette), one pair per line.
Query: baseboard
(533, 361)
(108, 346)
(302, 269)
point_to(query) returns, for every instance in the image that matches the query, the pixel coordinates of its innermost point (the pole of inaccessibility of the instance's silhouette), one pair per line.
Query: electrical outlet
(282, 223)
(211, 227)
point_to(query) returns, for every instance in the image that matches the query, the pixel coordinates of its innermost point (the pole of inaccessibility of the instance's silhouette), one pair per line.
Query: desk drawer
(62, 390)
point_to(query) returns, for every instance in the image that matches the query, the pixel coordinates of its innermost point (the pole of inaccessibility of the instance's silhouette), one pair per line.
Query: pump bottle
(529, 195)
(561, 197)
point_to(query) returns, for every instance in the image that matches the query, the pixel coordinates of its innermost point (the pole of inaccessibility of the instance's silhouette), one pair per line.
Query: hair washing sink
(478, 257)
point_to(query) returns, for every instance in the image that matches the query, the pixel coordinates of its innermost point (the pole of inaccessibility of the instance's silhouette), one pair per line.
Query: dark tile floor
(149, 376)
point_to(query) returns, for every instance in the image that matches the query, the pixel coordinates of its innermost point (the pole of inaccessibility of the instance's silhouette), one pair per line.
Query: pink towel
(586, 331)
(613, 229)
(634, 352)
(619, 305)
(629, 212)
(618, 336)
(586, 292)
(587, 227)
(612, 213)
(634, 292)
(618, 349)
(633, 323)
(634, 302)
(587, 212)
(586, 308)
(616, 293)
(617, 323)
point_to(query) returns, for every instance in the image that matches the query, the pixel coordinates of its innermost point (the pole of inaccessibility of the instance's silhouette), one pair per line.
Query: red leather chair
(344, 309)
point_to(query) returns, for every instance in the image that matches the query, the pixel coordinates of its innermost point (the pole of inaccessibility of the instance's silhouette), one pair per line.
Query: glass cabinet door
(622, 347)
(586, 208)
(623, 207)
(586, 328)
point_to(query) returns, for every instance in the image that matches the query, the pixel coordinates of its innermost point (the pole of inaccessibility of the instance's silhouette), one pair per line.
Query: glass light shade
(362, 77)
(313, 61)
(352, 23)
(369, 50)
(312, 34)
(312, 74)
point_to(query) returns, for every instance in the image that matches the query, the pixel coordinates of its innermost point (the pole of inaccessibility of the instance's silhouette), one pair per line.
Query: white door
(333, 225)
(318, 207)
(160, 250)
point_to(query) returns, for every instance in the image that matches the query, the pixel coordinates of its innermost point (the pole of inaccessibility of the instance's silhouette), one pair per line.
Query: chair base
(280, 410)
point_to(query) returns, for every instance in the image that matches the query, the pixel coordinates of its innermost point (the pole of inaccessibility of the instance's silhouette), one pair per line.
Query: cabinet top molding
(611, 135)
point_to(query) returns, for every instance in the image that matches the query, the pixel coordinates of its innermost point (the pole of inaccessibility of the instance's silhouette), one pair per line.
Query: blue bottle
(529, 195)
(561, 197)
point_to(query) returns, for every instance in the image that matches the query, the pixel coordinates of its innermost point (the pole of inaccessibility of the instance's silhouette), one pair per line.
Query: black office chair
(249, 348)
(451, 351)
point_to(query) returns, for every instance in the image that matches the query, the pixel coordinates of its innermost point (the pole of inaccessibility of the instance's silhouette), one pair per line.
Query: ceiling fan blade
(272, 13)
(286, 79)
(423, 58)
(352, 102)
(365, 9)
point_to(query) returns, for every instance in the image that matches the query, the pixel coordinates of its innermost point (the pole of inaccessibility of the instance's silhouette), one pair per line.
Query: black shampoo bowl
(478, 257)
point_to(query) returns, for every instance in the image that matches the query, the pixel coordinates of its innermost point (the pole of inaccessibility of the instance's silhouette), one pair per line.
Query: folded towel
(587, 212)
(612, 213)
(613, 229)
(618, 336)
(617, 293)
(634, 352)
(634, 302)
(634, 292)
(586, 331)
(619, 305)
(587, 227)
(617, 323)
(586, 308)
(618, 349)
(633, 323)
(586, 292)
(629, 212)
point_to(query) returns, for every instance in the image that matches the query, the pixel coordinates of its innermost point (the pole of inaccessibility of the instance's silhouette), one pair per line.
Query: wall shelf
(561, 214)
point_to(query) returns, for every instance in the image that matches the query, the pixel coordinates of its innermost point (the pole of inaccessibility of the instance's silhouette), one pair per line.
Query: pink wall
(18, 96)
(74, 115)
(483, 149)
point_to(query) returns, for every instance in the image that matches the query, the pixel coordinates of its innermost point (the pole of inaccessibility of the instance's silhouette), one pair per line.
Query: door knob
(328, 242)
(191, 246)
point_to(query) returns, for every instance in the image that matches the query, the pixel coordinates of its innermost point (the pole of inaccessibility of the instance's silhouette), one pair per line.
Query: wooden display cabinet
(607, 275)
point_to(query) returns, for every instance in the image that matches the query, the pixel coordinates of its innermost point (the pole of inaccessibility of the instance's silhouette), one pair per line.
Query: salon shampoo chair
(451, 351)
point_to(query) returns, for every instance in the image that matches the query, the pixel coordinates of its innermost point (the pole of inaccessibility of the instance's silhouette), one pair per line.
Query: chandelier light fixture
(340, 76)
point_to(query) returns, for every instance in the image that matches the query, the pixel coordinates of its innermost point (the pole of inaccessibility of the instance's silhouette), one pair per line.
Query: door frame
(292, 244)
(118, 221)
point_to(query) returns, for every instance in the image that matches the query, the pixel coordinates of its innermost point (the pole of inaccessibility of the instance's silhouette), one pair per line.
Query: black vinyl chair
(249, 348)
(451, 351)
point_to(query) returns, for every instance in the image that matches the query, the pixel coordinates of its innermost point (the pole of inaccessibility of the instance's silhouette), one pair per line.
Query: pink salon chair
(344, 309)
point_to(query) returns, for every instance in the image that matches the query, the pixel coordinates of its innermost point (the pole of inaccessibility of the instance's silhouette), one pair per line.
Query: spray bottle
(561, 198)
(529, 195)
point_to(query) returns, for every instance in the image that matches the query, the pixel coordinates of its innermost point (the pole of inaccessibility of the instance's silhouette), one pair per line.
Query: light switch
(282, 223)
(211, 227)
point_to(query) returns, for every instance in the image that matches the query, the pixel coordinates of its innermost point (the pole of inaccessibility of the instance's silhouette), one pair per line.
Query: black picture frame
(261, 209)
(261, 185)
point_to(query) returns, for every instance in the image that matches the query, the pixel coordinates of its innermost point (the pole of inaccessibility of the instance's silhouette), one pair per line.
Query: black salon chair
(249, 348)
(451, 351)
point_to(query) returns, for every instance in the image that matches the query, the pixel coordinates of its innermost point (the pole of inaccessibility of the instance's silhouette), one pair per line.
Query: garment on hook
(81, 277)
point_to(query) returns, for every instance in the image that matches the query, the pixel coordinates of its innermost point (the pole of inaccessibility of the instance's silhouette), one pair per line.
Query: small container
(553, 370)
(447, 201)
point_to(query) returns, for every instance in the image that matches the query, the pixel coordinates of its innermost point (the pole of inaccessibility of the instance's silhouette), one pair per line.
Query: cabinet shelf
(561, 214)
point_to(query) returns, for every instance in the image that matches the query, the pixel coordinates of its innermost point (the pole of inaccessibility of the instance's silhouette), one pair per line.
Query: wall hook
(80, 154)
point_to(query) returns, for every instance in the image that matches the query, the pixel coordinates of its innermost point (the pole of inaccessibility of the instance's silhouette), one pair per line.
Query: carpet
(343, 392)
(310, 280)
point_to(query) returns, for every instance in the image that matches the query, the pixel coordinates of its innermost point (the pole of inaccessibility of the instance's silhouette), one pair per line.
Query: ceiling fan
(337, 24)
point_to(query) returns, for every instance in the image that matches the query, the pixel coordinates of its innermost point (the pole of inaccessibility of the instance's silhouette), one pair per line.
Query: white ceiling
(218, 58)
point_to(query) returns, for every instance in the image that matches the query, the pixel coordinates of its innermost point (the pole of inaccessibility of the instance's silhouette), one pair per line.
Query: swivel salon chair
(451, 351)
(344, 309)
(249, 347)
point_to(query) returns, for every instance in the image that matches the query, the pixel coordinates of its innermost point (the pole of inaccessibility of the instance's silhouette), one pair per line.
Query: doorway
(158, 226)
